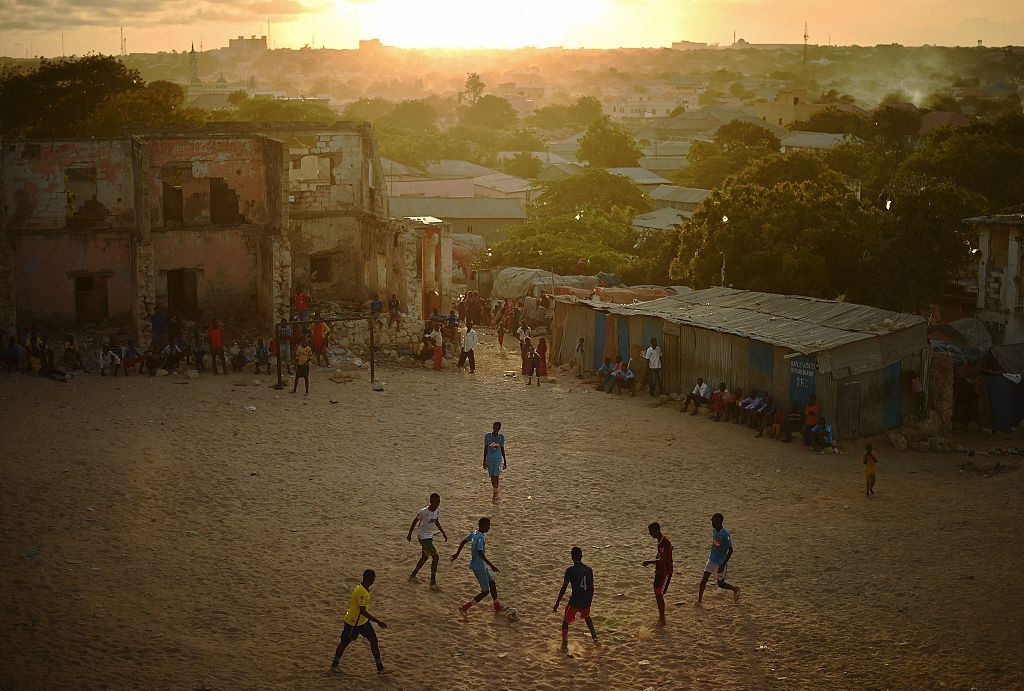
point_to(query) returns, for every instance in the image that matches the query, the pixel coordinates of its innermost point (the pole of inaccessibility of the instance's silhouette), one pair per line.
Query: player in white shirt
(469, 343)
(653, 357)
(427, 518)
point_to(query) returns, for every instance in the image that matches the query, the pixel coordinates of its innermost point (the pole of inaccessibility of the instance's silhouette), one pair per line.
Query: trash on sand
(251, 408)
(510, 373)
(34, 552)
(378, 386)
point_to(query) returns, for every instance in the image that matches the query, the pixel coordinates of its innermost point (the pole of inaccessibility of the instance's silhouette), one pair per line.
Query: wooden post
(372, 378)
(277, 339)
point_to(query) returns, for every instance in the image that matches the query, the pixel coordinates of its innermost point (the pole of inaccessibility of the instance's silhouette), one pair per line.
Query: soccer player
(427, 517)
(480, 566)
(581, 578)
(494, 456)
(662, 568)
(357, 622)
(721, 551)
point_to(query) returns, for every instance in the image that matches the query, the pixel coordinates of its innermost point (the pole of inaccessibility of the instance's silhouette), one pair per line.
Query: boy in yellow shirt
(357, 622)
(870, 462)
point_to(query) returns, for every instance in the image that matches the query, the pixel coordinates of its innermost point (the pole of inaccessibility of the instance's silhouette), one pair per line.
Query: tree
(833, 96)
(415, 116)
(523, 140)
(490, 111)
(158, 104)
(591, 189)
(832, 120)
(735, 146)
(793, 167)
(57, 97)
(523, 165)
(892, 129)
(581, 114)
(474, 88)
(368, 109)
(270, 109)
(606, 144)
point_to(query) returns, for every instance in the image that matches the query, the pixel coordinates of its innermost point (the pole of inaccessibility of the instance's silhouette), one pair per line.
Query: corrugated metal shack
(856, 359)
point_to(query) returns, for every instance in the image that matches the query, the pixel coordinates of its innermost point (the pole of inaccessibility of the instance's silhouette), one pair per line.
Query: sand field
(158, 534)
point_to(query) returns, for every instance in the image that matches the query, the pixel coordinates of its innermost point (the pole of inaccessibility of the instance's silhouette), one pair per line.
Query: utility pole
(124, 43)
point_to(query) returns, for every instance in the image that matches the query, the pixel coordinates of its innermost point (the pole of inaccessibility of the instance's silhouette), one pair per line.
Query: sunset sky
(155, 25)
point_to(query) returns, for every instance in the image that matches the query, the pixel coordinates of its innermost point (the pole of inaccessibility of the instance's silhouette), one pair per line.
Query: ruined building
(222, 223)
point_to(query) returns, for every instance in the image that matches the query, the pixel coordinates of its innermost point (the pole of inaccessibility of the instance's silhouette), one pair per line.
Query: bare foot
(435, 587)
(662, 622)
(413, 578)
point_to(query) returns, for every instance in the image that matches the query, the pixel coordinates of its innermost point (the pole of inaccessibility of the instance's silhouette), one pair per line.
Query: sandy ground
(186, 542)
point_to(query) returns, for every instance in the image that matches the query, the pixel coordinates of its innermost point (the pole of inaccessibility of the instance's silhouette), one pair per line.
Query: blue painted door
(801, 379)
(761, 363)
(599, 318)
(623, 345)
(892, 397)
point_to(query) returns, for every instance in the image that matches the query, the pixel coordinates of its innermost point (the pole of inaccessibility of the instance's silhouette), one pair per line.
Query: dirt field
(158, 534)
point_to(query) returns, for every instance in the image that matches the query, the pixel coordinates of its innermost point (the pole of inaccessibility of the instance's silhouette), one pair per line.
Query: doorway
(183, 293)
(91, 299)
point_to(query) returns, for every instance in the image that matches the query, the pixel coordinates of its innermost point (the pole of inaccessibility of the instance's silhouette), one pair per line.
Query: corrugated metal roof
(806, 325)
(814, 140)
(1001, 219)
(503, 182)
(661, 219)
(453, 168)
(682, 195)
(457, 207)
(640, 176)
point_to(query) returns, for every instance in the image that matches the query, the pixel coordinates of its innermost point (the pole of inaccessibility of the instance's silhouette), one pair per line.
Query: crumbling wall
(46, 266)
(940, 390)
(78, 184)
(338, 241)
(8, 295)
(144, 271)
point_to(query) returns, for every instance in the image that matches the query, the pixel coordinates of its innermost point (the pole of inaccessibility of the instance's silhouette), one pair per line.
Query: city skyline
(81, 26)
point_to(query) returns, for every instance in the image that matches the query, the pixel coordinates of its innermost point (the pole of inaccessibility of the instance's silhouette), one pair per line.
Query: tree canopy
(490, 111)
(591, 189)
(736, 145)
(609, 145)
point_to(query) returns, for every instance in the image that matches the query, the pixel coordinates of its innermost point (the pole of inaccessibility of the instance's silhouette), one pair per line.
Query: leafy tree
(892, 129)
(735, 146)
(523, 140)
(368, 109)
(474, 88)
(591, 189)
(793, 167)
(831, 120)
(416, 116)
(158, 104)
(409, 147)
(833, 96)
(943, 101)
(524, 165)
(490, 111)
(55, 99)
(586, 111)
(270, 109)
(581, 114)
(556, 243)
(606, 144)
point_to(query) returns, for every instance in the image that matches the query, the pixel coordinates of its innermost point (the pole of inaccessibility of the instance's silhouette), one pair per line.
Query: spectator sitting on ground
(720, 402)
(172, 356)
(701, 395)
(262, 355)
(794, 423)
(763, 415)
(821, 435)
(609, 381)
(131, 357)
(110, 358)
(623, 378)
(604, 373)
(239, 360)
(153, 360)
(72, 355)
(731, 408)
(748, 411)
(773, 426)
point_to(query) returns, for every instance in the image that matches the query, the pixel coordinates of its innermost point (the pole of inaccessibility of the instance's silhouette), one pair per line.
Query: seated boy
(624, 379)
(821, 435)
(262, 356)
(604, 373)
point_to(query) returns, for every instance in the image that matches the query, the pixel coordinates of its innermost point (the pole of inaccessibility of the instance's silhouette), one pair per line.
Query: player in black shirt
(581, 578)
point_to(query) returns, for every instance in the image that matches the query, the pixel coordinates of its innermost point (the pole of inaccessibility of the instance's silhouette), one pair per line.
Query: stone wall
(355, 336)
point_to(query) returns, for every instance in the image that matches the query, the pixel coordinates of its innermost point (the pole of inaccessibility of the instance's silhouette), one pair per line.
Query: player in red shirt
(215, 339)
(662, 568)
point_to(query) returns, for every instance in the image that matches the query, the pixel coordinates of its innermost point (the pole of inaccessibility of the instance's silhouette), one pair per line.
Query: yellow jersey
(360, 598)
(303, 354)
(870, 461)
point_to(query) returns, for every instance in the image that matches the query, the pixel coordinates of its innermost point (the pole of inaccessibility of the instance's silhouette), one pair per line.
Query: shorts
(427, 543)
(350, 633)
(494, 467)
(712, 568)
(661, 582)
(484, 578)
(571, 613)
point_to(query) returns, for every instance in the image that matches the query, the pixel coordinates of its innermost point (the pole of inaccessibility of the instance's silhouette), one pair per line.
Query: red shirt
(215, 336)
(663, 567)
(300, 302)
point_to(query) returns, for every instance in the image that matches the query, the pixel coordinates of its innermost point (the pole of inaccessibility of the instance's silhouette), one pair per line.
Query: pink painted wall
(35, 191)
(238, 161)
(227, 259)
(42, 262)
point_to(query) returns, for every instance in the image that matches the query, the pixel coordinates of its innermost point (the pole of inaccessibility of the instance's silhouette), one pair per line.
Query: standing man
(469, 343)
(577, 358)
(303, 354)
(300, 301)
(721, 551)
(215, 339)
(494, 456)
(524, 331)
(662, 568)
(321, 333)
(438, 340)
(357, 622)
(653, 357)
(480, 566)
(427, 518)
(581, 578)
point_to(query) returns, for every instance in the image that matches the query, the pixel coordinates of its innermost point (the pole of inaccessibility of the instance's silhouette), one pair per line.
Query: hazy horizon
(33, 28)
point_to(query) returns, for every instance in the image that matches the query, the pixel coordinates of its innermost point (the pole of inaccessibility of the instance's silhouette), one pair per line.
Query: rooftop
(814, 140)
(998, 219)
(661, 219)
(451, 168)
(681, 195)
(640, 176)
(457, 207)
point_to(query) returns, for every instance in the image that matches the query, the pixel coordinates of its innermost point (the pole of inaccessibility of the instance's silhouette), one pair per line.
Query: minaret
(193, 66)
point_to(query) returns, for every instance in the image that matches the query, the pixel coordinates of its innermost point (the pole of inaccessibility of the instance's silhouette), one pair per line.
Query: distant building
(483, 216)
(641, 177)
(789, 106)
(688, 45)
(681, 198)
(559, 171)
(1000, 305)
(253, 44)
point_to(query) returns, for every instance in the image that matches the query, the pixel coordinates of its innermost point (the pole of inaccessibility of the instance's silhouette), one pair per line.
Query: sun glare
(479, 23)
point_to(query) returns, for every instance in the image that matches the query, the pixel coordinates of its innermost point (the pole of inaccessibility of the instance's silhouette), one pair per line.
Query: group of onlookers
(759, 411)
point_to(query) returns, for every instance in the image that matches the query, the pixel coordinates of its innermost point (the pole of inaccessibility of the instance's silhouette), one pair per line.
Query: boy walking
(581, 578)
(662, 568)
(357, 622)
(427, 518)
(480, 566)
(494, 456)
(870, 462)
(721, 551)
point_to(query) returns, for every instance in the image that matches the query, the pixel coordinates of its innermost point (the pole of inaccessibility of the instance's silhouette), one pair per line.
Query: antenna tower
(805, 47)
(124, 43)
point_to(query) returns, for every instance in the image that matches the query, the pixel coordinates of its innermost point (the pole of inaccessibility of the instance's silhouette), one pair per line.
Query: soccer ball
(511, 614)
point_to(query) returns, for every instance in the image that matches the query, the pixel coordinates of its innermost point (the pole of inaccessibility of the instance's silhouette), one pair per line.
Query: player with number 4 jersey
(581, 578)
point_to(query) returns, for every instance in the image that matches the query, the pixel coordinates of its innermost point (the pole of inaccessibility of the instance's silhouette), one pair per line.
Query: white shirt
(523, 332)
(470, 340)
(653, 355)
(702, 390)
(436, 335)
(428, 519)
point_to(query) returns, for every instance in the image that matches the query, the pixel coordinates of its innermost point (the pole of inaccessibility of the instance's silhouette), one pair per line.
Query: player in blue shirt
(494, 456)
(581, 578)
(480, 566)
(721, 551)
